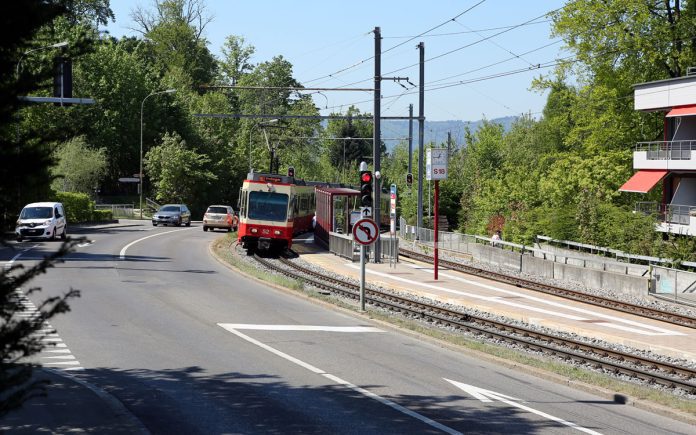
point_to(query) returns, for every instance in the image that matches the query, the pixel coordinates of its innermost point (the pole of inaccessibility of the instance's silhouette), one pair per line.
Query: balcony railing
(671, 213)
(667, 150)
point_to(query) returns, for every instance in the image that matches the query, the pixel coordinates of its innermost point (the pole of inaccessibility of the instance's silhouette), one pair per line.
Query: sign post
(365, 232)
(436, 170)
(392, 224)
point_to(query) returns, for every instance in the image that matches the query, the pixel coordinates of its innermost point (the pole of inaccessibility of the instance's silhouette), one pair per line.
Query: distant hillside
(435, 131)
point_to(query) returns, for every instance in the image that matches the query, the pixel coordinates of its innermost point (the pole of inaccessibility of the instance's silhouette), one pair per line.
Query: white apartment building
(672, 160)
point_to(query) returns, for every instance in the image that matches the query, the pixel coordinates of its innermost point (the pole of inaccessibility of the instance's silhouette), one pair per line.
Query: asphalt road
(190, 346)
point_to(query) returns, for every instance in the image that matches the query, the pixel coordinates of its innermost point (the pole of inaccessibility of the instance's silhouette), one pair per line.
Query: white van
(42, 220)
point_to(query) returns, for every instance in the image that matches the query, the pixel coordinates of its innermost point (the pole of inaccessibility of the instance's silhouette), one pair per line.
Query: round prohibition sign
(365, 231)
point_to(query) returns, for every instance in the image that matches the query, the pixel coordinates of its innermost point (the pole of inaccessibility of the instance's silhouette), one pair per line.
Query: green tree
(79, 168)
(25, 163)
(178, 174)
(236, 59)
(348, 144)
(177, 44)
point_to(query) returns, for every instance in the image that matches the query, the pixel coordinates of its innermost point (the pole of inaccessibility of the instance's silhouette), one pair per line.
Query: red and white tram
(272, 210)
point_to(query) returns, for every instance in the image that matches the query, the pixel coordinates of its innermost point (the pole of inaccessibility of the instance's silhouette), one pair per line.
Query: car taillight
(229, 219)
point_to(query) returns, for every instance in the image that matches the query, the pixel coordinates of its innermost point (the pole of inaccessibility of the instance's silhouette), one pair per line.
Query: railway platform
(556, 313)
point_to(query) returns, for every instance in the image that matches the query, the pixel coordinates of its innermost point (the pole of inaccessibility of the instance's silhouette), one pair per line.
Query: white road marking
(486, 396)
(9, 263)
(82, 245)
(393, 405)
(652, 330)
(122, 254)
(49, 338)
(62, 363)
(303, 328)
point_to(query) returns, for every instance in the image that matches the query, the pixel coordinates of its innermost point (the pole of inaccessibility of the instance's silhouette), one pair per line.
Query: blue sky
(330, 44)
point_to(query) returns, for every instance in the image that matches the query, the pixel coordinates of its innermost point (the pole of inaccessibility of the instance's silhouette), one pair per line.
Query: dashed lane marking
(231, 328)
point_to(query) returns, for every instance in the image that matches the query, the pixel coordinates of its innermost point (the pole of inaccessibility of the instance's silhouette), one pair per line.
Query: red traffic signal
(366, 188)
(291, 171)
(409, 178)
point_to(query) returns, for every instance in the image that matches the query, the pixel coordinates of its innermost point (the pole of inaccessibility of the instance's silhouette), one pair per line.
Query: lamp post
(140, 175)
(56, 45)
(19, 64)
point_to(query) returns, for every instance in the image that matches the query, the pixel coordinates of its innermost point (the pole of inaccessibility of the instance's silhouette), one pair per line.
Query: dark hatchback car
(172, 214)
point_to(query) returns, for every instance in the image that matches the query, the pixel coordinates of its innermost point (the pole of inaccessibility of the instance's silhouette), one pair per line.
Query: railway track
(651, 313)
(620, 363)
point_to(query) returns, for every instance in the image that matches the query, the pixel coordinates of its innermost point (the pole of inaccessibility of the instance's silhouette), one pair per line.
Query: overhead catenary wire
(463, 32)
(361, 62)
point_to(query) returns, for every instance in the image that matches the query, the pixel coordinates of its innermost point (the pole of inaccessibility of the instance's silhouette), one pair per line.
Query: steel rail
(625, 307)
(617, 362)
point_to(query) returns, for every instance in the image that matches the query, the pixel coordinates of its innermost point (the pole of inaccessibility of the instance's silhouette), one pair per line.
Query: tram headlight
(254, 231)
(277, 232)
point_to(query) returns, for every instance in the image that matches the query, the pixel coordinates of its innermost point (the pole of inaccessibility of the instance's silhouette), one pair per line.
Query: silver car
(220, 216)
(172, 214)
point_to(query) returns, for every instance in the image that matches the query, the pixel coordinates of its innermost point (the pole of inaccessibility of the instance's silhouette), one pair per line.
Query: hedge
(102, 215)
(79, 208)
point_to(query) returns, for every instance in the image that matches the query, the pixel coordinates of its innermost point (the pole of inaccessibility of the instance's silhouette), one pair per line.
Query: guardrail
(117, 210)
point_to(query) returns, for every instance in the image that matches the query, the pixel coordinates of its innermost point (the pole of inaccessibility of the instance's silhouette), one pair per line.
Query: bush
(102, 215)
(78, 206)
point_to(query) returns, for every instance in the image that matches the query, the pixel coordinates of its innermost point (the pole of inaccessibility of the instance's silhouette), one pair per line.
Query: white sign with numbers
(436, 164)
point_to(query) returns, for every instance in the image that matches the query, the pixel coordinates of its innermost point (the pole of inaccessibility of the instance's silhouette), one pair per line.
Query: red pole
(437, 218)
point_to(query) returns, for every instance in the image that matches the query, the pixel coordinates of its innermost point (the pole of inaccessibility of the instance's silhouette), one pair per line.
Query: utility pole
(410, 137)
(421, 128)
(377, 138)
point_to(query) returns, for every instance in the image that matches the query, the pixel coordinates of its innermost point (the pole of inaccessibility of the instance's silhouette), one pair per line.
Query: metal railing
(344, 246)
(677, 285)
(668, 150)
(151, 205)
(672, 213)
(117, 210)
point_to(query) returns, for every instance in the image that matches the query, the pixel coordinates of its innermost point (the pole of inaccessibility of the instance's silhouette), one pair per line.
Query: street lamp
(140, 175)
(56, 45)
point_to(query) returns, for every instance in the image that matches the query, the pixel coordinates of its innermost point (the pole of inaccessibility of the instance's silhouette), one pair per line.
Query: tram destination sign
(436, 164)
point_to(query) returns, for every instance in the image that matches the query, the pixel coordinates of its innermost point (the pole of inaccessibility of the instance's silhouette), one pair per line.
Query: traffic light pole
(362, 277)
(377, 137)
(421, 128)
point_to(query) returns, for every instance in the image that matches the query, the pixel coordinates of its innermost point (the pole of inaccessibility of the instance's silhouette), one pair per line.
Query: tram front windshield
(268, 206)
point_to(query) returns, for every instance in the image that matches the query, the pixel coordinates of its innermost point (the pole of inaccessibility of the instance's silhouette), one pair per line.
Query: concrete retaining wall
(621, 283)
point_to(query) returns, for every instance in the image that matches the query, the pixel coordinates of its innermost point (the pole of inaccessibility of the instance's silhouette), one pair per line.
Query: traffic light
(291, 171)
(366, 188)
(409, 179)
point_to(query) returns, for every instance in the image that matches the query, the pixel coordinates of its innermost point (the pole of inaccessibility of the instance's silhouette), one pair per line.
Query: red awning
(683, 111)
(642, 181)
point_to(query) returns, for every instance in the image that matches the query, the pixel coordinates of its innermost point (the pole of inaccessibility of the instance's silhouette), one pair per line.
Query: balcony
(671, 218)
(666, 155)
